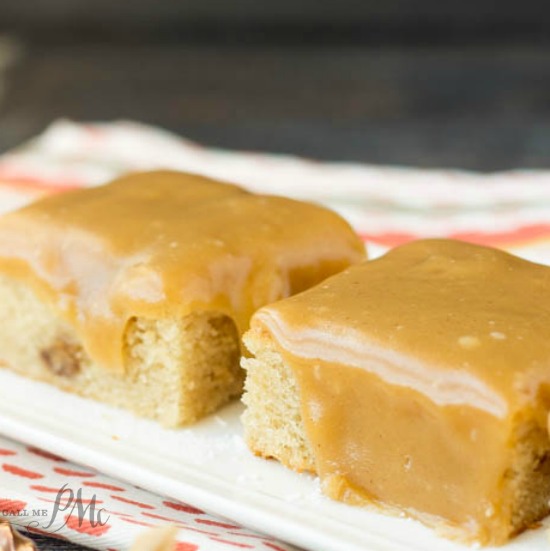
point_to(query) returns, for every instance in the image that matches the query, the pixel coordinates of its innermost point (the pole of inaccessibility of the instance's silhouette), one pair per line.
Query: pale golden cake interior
(272, 420)
(136, 293)
(177, 370)
(417, 383)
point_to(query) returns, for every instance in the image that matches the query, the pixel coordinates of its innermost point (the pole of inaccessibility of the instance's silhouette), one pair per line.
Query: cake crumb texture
(176, 369)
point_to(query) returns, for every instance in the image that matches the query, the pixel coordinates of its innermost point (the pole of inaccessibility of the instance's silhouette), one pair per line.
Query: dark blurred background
(425, 82)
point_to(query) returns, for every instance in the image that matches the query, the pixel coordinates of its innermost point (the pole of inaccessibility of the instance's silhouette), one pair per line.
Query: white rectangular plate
(210, 467)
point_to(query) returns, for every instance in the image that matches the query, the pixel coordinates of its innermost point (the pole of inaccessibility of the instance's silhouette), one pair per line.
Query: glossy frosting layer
(164, 244)
(412, 369)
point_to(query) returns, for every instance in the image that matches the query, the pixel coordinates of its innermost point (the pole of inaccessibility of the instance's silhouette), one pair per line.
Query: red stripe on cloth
(183, 507)
(160, 517)
(7, 452)
(103, 486)
(245, 535)
(37, 186)
(518, 236)
(233, 543)
(70, 472)
(388, 239)
(117, 514)
(132, 502)
(95, 132)
(273, 546)
(198, 530)
(217, 524)
(84, 526)
(18, 179)
(18, 471)
(47, 489)
(44, 454)
(185, 546)
(138, 522)
(11, 506)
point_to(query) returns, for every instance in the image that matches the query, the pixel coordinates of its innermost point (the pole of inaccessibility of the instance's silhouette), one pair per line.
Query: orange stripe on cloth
(33, 184)
(516, 237)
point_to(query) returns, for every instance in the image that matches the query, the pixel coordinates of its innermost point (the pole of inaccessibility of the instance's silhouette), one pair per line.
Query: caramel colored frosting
(163, 244)
(413, 369)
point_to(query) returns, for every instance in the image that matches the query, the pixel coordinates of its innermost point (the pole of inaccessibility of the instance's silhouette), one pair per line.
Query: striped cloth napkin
(387, 206)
